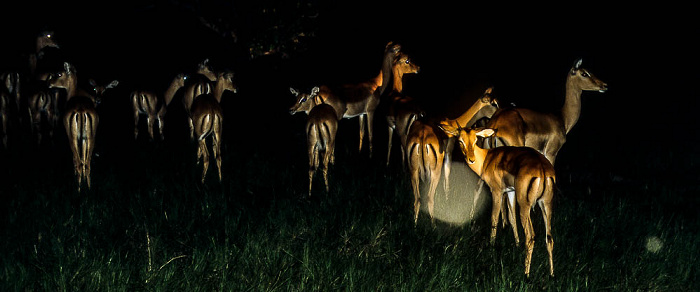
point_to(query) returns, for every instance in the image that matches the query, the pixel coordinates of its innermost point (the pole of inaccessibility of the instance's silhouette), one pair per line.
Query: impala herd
(513, 151)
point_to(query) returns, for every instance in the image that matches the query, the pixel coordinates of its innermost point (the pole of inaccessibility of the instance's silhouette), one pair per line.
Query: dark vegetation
(627, 176)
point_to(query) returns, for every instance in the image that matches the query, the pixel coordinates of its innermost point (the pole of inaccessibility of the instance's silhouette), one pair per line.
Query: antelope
(80, 120)
(206, 120)
(546, 132)
(403, 109)
(523, 173)
(11, 83)
(321, 128)
(146, 102)
(484, 107)
(4, 97)
(353, 100)
(43, 102)
(425, 157)
(205, 70)
(45, 45)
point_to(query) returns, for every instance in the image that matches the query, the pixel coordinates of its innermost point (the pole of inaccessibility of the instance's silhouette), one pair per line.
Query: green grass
(149, 225)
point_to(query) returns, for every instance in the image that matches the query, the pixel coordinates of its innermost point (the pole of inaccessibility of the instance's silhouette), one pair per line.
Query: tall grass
(148, 224)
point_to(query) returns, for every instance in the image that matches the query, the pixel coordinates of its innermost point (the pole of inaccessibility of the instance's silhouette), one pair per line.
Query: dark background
(647, 55)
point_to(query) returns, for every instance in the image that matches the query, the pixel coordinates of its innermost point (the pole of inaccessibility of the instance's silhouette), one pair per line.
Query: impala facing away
(80, 120)
(43, 102)
(146, 102)
(546, 132)
(426, 153)
(321, 129)
(207, 119)
(352, 100)
(521, 172)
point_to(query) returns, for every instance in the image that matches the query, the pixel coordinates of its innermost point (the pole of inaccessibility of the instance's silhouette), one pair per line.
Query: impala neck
(385, 73)
(398, 81)
(170, 92)
(218, 91)
(479, 157)
(467, 117)
(572, 105)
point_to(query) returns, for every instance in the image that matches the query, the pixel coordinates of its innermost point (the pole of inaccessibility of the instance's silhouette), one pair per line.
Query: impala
(321, 128)
(425, 158)
(546, 132)
(4, 97)
(11, 83)
(352, 100)
(146, 102)
(403, 110)
(484, 107)
(43, 102)
(80, 120)
(206, 120)
(205, 70)
(521, 172)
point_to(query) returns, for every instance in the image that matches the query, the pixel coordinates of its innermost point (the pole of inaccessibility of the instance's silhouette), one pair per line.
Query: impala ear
(68, 68)
(112, 84)
(449, 129)
(315, 90)
(92, 82)
(576, 66)
(485, 133)
(294, 91)
(488, 90)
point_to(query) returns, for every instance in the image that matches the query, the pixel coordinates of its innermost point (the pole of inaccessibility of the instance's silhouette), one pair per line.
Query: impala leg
(363, 117)
(434, 180)
(529, 236)
(4, 130)
(388, 152)
(480, 186)
(415, 183)
(204, 153)
(190, 124)
(216, 147)
(150, 119)
(370, 127)
(546, 208)
(447, 164)
(511, 215)
(326, 160)
(160, 127)
(497, 197)
(88, 159)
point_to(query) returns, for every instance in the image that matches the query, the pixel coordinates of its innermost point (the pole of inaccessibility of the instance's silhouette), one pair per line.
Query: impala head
(584, 80)
(487, 103)
(225, 79)
(99, 90)
(305, 101)
(467, 139)
(45, 39)
(203, 68)
(404, 65)
(65, 79)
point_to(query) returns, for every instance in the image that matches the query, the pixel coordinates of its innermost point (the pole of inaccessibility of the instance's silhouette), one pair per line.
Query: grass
(147, 224)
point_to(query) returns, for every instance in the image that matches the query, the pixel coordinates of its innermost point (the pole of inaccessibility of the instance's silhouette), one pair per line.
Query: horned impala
(321, 128)
(403, 109)
(361, 100)
(207, 120)
(546, 132)
(521, 172)
(146, 102)
(80, 120)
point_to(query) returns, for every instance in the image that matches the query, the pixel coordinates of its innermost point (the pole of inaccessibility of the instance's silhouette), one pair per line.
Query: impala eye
(408, 61)
(584, 74)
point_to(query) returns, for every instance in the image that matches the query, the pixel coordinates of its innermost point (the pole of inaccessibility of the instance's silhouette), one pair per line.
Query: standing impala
(403, 110)
(362, 99)
(43, 102)
(546, 132)
(521, 172)
(321, 128)
(146, 102)
(207, 119)
(80, 120)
